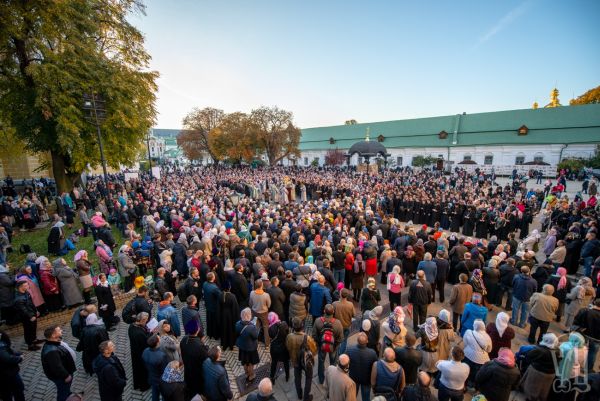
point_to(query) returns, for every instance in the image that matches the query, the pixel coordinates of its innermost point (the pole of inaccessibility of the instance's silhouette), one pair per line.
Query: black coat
(24, 306)
(138, 337)
(277, 301)
(496, 380)
(91, 337)
(229, 313)
(410, 359)
(193, 354)
(239, 288)
(54, 241)
(111, 377)
(105, 297)
(180, 259)
(7, 290)
(57, 362)
(361, 362)
(9, 362)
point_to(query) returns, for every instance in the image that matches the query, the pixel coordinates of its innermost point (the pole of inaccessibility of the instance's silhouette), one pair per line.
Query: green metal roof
(561, 125)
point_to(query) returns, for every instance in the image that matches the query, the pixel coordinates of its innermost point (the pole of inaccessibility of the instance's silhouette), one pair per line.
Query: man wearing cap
(523, 288)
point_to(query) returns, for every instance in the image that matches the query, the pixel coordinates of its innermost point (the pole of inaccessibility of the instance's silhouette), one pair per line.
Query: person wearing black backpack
(328, 334)
(301, 348)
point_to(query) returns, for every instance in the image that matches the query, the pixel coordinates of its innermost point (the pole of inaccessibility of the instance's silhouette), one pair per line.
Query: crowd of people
(300, 259)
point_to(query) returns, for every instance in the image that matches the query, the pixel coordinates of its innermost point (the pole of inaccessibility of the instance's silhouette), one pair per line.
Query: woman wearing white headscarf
(428, 333)
(501, 333)
(478, 344)
(446, 334)
(537, 380)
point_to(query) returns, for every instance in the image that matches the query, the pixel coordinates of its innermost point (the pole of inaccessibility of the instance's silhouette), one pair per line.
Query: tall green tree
(54, 52)
(276, 134)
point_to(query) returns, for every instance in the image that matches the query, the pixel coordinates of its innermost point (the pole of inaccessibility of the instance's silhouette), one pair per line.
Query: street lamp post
(235, 201)
(95, 104)
(149, 157)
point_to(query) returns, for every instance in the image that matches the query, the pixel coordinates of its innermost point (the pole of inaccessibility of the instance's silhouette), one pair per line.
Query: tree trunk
(63, 181)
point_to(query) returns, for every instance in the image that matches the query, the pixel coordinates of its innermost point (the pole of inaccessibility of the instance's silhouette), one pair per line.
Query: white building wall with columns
(495, 155)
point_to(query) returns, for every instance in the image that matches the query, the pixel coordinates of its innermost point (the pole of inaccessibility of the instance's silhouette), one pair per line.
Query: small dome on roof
(368, 148)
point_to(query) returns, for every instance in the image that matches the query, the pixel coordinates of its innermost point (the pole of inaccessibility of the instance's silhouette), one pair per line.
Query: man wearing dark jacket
(27, 313)
(443, 268)
(193, 354)
(155, 360)
(409, 358)
(110, 372)
(362, 359)
(419, 295)
(239, 286)
(212, 296)
(215, 374)
(507, 273)
(589, 319)
(160, 284)
(523, 288)
(419, 391)
(58, 362)
(277, 298)
(142, 303)
(589, 251)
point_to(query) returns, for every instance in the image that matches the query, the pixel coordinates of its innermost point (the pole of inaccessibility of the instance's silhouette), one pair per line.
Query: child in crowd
(114, 280)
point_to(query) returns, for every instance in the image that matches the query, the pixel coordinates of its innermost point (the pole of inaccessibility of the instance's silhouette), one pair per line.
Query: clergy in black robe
(92, 335)
(468, 222)
(455, 219)
(138, 337)
(228, 313)
(193, 354)
(481, 226)
(106, 302)
(55, 239)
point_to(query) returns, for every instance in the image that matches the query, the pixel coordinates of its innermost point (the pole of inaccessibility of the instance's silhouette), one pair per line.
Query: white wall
(502, 154)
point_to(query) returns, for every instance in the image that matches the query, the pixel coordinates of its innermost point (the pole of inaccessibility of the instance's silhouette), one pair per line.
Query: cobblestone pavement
(39, 388)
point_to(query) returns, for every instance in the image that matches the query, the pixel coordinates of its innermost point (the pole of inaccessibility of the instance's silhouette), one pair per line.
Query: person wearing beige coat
(460, 295)
(559, 254)
(338, 384)
(543, 311)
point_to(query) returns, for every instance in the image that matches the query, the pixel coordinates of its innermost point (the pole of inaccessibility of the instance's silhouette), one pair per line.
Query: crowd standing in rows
(290, 258)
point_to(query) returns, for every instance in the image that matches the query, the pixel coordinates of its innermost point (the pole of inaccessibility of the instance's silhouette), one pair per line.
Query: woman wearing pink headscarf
(498, 377)
(278, 332)
(562, 287)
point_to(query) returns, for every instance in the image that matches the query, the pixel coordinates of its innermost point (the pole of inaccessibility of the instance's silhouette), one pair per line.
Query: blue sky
(331, 60)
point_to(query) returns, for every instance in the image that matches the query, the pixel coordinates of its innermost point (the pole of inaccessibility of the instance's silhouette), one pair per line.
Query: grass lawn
(38, 241)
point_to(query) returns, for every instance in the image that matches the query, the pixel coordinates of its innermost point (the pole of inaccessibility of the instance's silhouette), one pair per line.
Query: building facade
(538, 137)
